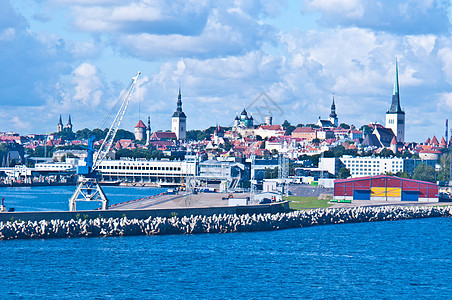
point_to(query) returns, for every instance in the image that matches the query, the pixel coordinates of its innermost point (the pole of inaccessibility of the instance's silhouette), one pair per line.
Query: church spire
(333, 110)
(395, 105)
(179, 112)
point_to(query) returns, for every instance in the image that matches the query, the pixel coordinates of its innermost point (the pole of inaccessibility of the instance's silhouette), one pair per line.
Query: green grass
(298, 203)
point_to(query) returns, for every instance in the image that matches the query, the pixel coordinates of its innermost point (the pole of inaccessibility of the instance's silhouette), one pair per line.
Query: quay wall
(222, 223)
(144, 213)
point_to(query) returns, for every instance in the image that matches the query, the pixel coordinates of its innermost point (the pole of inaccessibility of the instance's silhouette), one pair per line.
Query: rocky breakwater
(222, 223)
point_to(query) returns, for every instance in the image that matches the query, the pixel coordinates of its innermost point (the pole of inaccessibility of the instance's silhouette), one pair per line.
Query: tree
(271, 173)
(122, 134)
(424, 173)
(288, 127)
(366, 129)
(386, 153)
(444, 173)
(344, 173)
(344, 126)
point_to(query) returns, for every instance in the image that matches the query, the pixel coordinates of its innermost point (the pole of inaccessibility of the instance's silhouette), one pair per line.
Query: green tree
(444, 173)
(366, 129)
(386, 153)
(424, 173)
(344, 126)
(288, 127)
(344, 173)
(271, 173)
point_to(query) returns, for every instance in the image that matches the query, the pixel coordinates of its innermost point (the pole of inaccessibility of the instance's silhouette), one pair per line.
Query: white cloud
(8, 34)
(406, 17)
(88, 87)
(348, 8)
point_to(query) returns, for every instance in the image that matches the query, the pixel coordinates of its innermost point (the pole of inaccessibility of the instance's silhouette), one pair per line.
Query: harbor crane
(88, 188)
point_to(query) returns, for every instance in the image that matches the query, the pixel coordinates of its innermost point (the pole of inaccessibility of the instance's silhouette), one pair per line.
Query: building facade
(179, 120)
(142, 170)
(395, 116)
(385, 188)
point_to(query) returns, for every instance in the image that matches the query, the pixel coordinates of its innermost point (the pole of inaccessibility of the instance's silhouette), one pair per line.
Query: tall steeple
(333, 116)
(395, 116)
(179, 120)
(333, 110)
(395, 105)
(60, 125)
(179, 112)
(69, 124)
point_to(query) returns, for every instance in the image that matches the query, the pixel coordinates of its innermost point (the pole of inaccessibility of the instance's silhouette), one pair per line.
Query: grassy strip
(298, 203)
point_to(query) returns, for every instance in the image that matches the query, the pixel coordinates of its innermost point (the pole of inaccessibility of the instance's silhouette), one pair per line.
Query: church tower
(333, 116)
(69, 124)
(60, 125)
(179, 120)
(395, 116)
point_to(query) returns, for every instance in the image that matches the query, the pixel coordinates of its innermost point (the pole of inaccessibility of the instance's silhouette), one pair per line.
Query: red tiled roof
(140, 125)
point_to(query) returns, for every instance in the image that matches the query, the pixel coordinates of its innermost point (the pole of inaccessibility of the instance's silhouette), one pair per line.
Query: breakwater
(221, 223)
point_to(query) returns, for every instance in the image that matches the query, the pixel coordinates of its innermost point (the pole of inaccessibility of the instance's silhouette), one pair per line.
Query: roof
(386, 135)
(371, 140)
(434, 141)
(303, 129)
(163, 135)
(140, 124)
(326, 123)
(270, 127)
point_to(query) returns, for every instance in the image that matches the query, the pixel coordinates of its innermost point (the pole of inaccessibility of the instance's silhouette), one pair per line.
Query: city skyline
(74, 57)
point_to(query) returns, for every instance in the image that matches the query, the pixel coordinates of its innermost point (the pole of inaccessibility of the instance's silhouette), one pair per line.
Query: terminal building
(385, 188)
(142, 170)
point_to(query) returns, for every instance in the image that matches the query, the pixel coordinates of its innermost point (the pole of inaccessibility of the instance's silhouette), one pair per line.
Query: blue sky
(75, 56)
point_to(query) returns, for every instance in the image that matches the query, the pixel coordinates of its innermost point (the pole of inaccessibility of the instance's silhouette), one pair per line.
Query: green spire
(396, 80)
(395, 105)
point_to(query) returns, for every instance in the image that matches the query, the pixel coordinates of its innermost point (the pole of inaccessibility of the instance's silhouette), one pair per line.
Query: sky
(281, 58)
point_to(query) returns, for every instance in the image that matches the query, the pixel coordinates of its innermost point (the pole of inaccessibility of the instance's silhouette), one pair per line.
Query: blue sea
(45, 198)
(383, 260)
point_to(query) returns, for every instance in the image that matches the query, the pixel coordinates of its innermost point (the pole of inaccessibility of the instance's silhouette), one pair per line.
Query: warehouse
(385, 188)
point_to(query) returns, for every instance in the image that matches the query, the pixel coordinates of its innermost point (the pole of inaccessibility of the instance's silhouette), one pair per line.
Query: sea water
(408, 259)
(47, 198)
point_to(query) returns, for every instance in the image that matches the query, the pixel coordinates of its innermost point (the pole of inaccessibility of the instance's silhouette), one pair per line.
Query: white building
(142, 170)
(362, 166)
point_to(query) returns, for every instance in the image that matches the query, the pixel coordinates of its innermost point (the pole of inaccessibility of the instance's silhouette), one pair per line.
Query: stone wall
(222, 223)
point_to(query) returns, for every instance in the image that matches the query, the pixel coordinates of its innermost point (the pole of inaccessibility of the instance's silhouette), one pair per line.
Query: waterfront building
(142, 170)
(179, 126)
(217, 171)
(395, 116)
(385, 188)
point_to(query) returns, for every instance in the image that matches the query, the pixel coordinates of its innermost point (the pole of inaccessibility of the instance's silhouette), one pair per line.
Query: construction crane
(88, 188)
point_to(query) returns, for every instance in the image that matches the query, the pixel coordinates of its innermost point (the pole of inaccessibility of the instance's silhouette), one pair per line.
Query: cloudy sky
(285, 58)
